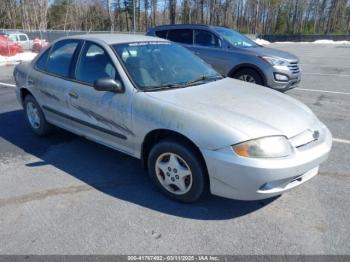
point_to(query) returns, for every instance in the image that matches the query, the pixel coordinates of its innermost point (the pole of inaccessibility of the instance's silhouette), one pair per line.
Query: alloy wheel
(33, 115)
(173, 173)
(247, 78)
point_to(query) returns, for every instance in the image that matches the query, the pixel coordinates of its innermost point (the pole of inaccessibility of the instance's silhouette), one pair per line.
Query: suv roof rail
(174, 25)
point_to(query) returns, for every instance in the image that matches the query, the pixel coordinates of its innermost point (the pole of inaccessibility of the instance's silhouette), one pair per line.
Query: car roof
(115, 38)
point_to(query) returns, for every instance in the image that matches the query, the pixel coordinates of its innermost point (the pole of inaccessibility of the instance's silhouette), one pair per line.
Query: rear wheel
(249, 75)
(176, 170)
(35, 116)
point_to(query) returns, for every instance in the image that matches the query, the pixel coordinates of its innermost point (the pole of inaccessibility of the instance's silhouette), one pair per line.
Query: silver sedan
(195, 131)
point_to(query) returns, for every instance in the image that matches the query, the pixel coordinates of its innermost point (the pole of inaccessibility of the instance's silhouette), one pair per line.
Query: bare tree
(172, 11)
(247, 16)
(111, 14)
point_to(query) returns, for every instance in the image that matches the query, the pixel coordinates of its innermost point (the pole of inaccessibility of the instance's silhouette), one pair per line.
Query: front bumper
(243, 178)
(18, 95)
(294, 78)
(284, 86)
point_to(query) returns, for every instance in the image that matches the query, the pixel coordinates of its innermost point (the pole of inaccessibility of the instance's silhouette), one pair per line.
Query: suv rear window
(162, 33)
(184, 36)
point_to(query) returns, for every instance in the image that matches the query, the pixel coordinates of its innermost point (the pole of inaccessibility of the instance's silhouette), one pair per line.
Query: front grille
(294, 67)
(305, 138)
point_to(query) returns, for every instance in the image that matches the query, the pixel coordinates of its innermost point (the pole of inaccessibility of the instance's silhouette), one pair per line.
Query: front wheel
(177, 171)
(249, 75)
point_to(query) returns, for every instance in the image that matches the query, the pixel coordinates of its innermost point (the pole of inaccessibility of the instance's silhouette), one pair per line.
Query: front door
(102, 115)
(209, 47)
(24, 41)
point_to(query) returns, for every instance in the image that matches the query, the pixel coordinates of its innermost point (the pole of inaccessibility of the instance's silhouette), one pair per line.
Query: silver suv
(235, 55)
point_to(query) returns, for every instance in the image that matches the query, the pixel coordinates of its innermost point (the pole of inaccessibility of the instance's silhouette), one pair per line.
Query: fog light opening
(266, 186)
(281, 77)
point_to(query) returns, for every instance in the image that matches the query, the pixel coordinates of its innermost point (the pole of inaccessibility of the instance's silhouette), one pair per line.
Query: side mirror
(227, 45)
(108, 84)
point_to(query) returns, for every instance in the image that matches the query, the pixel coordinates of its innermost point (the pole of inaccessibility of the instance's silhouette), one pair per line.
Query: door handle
(73, 94)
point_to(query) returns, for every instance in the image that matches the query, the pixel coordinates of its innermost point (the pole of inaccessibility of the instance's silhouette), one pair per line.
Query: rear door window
(206, 38)
(60, 59)
(162, 33)
(94, 64)
(184, 36)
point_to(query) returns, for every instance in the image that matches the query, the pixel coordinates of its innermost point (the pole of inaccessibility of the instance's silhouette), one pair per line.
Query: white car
(20, 38)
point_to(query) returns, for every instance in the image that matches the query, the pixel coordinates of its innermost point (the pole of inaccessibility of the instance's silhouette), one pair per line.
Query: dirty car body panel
(214, 115)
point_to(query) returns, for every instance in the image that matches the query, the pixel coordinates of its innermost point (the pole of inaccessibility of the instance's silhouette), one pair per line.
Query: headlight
(274, 61)
(266, 147)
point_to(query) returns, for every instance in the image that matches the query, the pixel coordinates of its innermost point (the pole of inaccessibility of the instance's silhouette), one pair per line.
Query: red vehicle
(7, 47)
(39, 44)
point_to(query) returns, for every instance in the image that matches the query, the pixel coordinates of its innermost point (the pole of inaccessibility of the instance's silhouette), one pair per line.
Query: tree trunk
(172, 11)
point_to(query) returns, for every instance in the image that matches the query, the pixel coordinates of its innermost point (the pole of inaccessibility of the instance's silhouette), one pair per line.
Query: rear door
(52, 79)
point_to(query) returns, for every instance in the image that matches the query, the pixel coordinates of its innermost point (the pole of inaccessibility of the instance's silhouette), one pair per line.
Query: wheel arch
(23, 92)
(157, 135)
(234, 70)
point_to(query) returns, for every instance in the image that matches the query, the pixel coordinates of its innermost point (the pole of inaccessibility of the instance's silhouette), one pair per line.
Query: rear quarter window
(41, 62)
(161, 33)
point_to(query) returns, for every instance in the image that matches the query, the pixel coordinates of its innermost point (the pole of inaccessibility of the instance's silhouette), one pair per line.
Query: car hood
(265, 51)
(248, 110)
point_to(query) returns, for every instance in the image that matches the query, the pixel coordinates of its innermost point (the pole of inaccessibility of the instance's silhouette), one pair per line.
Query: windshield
(163, 65)
(235, 38)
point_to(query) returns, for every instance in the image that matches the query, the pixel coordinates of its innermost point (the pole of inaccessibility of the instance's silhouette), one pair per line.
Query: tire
(35, 116)
(249, 75)
(192, 187)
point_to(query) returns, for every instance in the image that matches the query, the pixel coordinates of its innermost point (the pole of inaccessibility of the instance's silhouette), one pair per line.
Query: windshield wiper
(163, 87)
(182, 85)
(203, 78)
